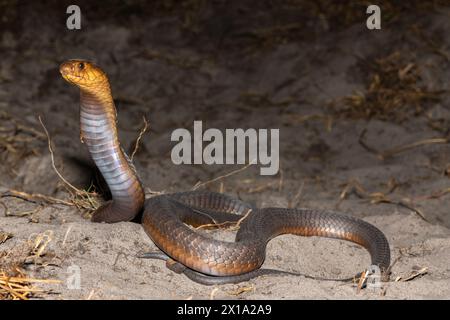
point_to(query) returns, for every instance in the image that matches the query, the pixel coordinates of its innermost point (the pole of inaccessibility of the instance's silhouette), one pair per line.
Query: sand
(193, 78)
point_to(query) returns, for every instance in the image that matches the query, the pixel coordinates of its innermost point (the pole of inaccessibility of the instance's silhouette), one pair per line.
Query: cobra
(165, 218)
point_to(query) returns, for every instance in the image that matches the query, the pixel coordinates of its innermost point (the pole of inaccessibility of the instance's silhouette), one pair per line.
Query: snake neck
(99, 133)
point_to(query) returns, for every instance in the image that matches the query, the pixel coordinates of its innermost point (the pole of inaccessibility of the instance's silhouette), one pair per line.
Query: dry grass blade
(21, 287)
(4, 236)
(17, 280)
(66, 235)
(49, 142)
(80, 198)
(383, 155)
(241, 290)
(138, 139)
(202, 184)
(391, 152)
(414, 274)
(226, 224)
(410, 207)
(362, 281)
(153, 193)
(92, 293)
(40, 243)
(355, 186)
(393, 93)
(434, 195)
(213, 293)
(362, 142)
(14, 283)
(35, 197)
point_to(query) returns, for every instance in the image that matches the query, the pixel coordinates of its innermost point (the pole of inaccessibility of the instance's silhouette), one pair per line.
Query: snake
(172, 220)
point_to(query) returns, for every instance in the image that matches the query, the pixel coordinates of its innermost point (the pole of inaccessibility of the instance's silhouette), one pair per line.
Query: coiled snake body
(164, 219)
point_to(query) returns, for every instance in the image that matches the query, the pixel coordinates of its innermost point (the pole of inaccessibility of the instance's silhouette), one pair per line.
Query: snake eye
(81, 66)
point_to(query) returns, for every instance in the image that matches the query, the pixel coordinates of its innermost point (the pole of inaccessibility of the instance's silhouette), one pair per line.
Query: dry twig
(199, 185)
(378, 197)
(138, 140)
(80, 198)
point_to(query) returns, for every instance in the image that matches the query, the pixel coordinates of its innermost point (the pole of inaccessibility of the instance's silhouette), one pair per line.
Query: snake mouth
(67, 74)
(72, 79)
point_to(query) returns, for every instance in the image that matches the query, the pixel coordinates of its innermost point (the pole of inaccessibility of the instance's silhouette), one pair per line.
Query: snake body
(165, 217)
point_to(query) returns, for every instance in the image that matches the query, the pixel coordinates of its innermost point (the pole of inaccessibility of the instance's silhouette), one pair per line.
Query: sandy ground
(155, 70)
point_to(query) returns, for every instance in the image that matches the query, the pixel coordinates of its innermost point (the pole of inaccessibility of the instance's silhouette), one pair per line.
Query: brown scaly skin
(208, 261)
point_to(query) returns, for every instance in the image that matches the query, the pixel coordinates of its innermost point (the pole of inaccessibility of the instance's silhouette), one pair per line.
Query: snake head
(84, 74)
